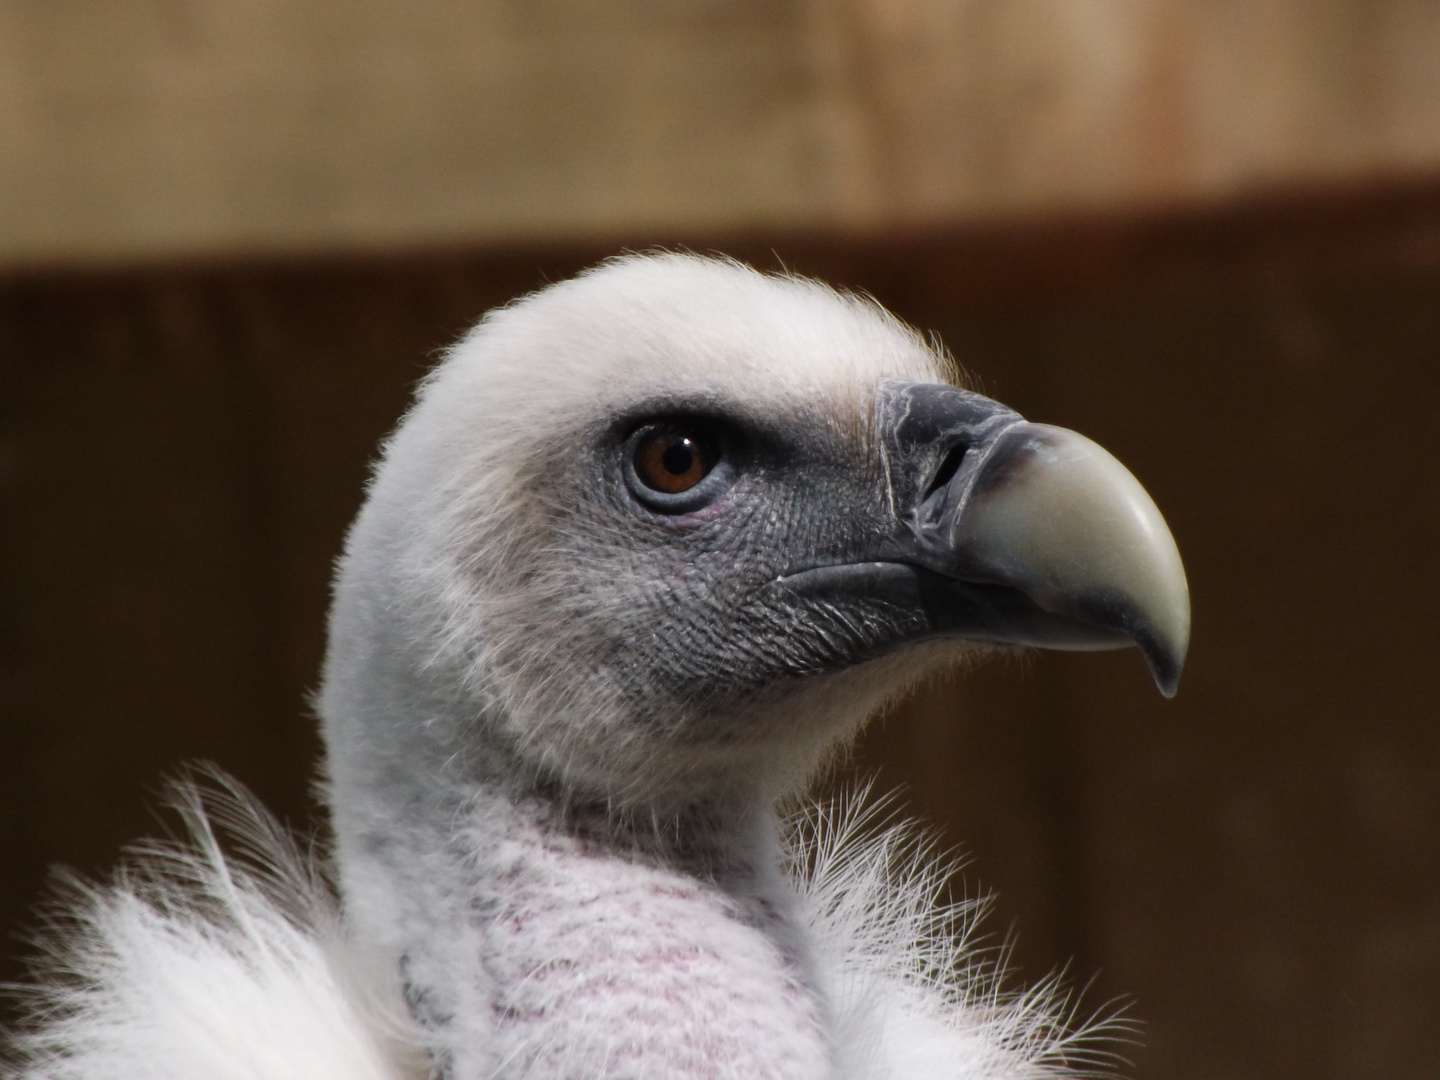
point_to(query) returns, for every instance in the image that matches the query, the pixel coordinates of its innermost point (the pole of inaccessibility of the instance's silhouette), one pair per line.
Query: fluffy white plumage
(560, 713)
(198, 963)
(230, 961)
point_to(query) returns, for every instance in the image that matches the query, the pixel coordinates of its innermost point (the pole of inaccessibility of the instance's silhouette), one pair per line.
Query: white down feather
(229, 961)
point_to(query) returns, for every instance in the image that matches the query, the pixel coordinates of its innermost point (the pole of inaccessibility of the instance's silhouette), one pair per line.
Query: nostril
(949, 466)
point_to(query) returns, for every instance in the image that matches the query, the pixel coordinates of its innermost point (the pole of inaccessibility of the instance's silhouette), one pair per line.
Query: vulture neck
(520, 919)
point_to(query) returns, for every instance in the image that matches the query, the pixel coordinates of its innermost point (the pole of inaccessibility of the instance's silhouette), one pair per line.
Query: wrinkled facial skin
(708, 622)
(676, 619)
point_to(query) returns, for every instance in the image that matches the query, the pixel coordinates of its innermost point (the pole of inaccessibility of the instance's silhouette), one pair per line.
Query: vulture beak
(1016, 533)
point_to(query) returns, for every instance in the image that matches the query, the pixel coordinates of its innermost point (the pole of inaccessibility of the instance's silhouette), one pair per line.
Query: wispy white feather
(229, 961)
(916, 991)
(198, 963)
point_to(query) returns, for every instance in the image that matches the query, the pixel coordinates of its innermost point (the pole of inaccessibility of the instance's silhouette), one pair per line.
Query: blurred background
(1204, 232)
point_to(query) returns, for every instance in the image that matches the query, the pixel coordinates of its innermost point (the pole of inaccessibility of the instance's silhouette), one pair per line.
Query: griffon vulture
(649, 546)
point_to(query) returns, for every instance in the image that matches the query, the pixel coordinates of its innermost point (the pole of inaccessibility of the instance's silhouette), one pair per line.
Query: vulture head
(666, 532)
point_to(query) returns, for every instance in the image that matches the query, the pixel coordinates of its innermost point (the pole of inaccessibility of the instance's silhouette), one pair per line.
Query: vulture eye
(672, 461)
(676, 467)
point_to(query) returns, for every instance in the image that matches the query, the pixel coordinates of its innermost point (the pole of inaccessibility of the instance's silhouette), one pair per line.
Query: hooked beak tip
(1056, 516)
(1165, 662)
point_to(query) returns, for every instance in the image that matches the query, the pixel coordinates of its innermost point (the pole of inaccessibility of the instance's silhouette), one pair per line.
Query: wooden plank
(150, 130)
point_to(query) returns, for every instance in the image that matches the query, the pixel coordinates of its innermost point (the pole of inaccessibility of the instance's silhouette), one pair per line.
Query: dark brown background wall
(1256, 864)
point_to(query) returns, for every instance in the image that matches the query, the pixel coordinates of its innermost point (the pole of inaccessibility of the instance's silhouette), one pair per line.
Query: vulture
(649, 546)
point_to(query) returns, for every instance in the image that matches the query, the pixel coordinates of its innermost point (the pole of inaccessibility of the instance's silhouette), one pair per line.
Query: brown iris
(673, 462)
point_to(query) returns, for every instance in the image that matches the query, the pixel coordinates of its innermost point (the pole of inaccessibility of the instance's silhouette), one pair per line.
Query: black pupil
(678, 458)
